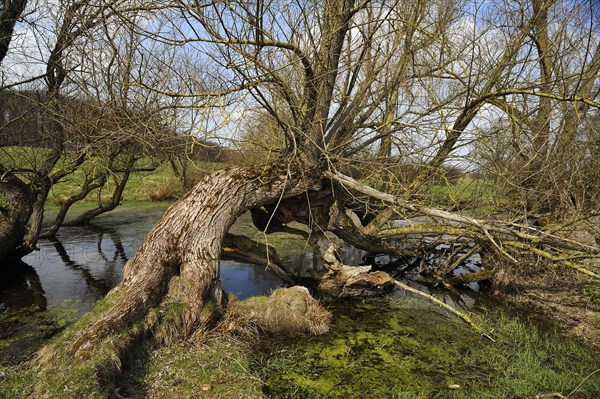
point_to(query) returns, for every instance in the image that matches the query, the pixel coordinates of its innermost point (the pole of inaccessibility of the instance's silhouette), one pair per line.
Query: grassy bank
(143, 185)
(151, 179)
(382, 349)
(403, 350)
(125, 210)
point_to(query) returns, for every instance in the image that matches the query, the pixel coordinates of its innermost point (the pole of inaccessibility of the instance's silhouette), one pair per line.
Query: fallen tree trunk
(168, 280)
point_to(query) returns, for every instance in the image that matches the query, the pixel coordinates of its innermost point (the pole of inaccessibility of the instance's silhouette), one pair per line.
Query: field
(151, 180)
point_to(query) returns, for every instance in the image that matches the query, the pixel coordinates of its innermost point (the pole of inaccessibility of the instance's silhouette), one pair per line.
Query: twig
(582, 381)
(457, 312)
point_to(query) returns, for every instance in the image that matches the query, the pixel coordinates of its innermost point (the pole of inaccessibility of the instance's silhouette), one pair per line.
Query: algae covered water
(404, 347)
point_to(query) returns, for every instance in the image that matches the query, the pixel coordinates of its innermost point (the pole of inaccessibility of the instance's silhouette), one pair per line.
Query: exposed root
(355, 282)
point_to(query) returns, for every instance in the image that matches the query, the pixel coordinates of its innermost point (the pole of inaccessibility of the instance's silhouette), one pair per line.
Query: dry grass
(286, 310)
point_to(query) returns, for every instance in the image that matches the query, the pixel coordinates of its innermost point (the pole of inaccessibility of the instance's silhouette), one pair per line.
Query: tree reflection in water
(80, 267)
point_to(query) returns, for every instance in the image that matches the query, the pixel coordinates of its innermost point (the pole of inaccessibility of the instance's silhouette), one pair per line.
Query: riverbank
(393, 347)
(562, 297)
(396, 346)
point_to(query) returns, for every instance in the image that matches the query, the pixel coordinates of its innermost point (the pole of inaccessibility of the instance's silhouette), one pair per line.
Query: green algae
(407, 348)
(23, 331)
(376, 349)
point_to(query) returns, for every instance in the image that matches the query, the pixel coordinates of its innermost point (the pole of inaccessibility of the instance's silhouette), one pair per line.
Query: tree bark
(16, 206)
(10, 13)
(186, 243)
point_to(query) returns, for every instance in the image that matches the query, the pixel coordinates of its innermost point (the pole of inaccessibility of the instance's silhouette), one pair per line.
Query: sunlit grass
(523, 362)
(149, 176)
(526, 362)
(467, 189)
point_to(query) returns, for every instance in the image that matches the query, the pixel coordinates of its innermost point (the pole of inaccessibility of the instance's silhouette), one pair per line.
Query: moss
(371, 352)
(408, 349)
(216, 369)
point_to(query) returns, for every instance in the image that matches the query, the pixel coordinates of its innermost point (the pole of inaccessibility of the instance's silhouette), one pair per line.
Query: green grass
(159, 183)
(466, 189)
(16, 381)
(526, 363)
(215, 369)
(143, 185)
(593, 289)
(387, 357)
(126, 209)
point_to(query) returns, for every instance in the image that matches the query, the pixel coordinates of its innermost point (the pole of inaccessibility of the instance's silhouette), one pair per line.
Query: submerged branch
(457, 312)
(243, 249)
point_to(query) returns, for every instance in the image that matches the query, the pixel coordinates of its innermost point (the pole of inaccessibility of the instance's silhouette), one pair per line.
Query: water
(63, 279)
(84, 263)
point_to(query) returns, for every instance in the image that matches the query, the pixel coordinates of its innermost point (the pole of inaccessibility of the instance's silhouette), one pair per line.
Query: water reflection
(245, 280)
(84, 263)
(404, 269)
(20, 287)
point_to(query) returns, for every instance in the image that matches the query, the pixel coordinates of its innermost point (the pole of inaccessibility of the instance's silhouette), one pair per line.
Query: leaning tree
(350, 87)
(78, 118)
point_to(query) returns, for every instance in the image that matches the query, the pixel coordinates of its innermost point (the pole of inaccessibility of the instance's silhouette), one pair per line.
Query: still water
(84, 263)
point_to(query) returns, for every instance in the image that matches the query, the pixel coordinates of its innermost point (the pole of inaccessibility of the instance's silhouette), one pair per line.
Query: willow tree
(73, 120)
(345, 83)
(26, 189)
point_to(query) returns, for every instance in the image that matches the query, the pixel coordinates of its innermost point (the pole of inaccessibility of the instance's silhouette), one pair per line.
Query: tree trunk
(41, 187)
(16, 206)
(177, 263)
(9, 14)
